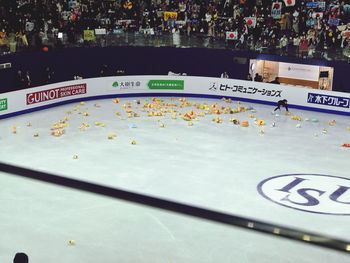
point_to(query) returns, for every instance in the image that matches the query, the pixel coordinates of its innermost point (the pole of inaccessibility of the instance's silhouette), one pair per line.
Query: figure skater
(283, 103)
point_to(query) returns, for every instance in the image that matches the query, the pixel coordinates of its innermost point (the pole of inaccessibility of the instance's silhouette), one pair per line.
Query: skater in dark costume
(283, 103)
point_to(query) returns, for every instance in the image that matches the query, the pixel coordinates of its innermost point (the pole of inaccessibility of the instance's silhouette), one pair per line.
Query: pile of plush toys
(156, 107)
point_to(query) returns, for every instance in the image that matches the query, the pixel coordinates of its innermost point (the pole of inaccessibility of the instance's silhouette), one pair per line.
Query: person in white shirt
(224, 75)
(284, 45)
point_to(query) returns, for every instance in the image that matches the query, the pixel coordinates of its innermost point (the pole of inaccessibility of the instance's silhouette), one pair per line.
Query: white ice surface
(212, 165)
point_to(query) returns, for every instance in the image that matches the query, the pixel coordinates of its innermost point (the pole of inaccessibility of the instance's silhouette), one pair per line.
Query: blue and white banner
(328, 100)
(333, 8)
(310, 22)
(333, 21)
(316, 5)
(117, 31)
(21, 101)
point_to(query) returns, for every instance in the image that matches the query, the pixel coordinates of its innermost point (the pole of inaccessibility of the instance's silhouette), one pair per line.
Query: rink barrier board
(130, 95)
(200, 87)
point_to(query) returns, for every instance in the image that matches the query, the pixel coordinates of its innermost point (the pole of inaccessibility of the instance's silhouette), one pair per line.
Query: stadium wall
(42, 97)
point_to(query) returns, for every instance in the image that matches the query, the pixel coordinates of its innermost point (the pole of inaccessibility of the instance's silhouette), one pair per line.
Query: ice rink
(207, 161)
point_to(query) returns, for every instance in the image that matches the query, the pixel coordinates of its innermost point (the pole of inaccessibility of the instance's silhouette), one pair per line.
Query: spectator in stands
(3, 40)
(304, 47)
(21, 258)
(265, 46)
(275, 81)
(38, 22)
(296, 44)
(48, 75)
(273, 44)
(27, 80)
(104, 71)
(284, 45)
(249, 77)
(312, 46)
(258, 45)
(20, 82)
(258, 78)
(224, 75)
(120, 72)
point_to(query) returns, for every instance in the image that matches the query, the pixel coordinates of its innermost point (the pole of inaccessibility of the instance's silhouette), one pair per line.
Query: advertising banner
(128, 84)
(38, 98)
(166, 84)
(3, 104)
(298, 71)
(323, 99)
(245, 89)
(56, 93)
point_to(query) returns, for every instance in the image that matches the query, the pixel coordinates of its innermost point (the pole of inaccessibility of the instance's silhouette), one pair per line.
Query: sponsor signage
(3, 104)
(314, 193)
(166, 84)
(328, 100)
(126, 84)
(52, 94)
(298, 71)
(240, 89)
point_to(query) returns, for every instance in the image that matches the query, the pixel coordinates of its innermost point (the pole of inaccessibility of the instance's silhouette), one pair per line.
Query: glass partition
(164, 38)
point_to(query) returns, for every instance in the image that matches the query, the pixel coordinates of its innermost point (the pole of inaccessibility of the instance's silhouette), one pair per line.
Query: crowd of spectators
(285, 27)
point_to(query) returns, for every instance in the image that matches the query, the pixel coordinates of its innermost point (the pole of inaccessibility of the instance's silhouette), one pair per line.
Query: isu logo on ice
(52, 94)
(315, 193)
